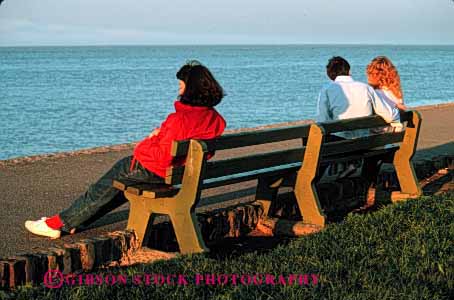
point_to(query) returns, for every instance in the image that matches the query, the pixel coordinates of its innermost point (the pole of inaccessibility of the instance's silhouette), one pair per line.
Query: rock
(87, 254)
(283, 227)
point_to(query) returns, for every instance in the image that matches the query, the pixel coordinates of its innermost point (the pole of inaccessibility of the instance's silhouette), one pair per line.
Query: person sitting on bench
(382, 75)
(194, 118)
(345, 98)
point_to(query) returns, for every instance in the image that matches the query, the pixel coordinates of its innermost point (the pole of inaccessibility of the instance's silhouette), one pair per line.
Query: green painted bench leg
(371, 169)
(139, 218)
(187, 232)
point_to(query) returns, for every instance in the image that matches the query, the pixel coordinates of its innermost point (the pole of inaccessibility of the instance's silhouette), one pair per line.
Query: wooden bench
(180, 198)
(397, 148)
(313, 150)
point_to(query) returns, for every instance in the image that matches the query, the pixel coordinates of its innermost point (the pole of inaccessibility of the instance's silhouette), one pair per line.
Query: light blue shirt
(345, 98)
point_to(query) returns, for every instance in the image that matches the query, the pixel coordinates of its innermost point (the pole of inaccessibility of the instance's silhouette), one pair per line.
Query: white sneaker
(40, 228)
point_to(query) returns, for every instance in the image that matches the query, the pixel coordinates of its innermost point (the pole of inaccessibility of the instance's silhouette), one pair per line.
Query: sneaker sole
(40, 233)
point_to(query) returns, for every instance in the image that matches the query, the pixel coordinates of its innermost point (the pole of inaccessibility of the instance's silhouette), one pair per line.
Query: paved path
(30, 190)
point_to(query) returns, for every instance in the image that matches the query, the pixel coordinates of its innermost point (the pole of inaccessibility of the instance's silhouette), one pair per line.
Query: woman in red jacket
(194, 117)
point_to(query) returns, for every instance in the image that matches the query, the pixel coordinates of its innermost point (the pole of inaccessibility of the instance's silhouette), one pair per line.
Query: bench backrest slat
(348, 157)
(244, 164)
(361, 144)
(244, 139)
(361, 123)
(251, 175)
(253, 162)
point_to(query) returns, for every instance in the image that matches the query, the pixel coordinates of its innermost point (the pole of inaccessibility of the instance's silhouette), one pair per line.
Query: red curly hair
(381, 73)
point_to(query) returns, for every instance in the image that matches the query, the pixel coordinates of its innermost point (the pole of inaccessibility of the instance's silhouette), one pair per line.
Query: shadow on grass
(436, 184)
(243, 245)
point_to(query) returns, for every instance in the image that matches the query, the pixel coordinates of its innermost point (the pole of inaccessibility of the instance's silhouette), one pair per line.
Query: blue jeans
(101, 197)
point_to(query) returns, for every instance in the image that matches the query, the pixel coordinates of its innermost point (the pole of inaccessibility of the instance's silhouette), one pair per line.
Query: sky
(198, 22)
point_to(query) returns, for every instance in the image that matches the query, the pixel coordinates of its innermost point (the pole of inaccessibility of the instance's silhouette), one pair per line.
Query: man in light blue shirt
(345, 98)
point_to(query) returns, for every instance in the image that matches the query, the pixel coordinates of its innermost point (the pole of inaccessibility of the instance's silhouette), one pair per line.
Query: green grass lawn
(401, 251)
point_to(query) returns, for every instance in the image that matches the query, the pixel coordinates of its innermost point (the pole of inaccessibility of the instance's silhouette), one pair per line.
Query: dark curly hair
(337, 66)
(202, 89)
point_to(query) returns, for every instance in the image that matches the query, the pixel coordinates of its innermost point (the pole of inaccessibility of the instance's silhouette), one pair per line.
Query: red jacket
(187, 122)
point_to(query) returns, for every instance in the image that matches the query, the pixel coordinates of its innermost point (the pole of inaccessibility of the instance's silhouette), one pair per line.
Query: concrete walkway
(43, 187)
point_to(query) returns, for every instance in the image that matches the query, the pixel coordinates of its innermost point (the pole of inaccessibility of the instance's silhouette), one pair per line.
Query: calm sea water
(65, 98)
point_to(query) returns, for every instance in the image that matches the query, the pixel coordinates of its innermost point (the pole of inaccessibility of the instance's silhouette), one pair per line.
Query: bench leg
(139, 218)
(267, 193)
(187, 232)
(402, 159)
(305, 191)
(370, 170)
(407, 177)
(310, 209)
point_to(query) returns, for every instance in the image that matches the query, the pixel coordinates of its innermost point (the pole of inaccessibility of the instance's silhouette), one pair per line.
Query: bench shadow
(239, 246)
(108, 219)
(428, 162)
(436, 185)
(427, 153)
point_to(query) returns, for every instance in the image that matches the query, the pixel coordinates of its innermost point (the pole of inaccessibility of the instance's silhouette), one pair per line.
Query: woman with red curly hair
(382, 75)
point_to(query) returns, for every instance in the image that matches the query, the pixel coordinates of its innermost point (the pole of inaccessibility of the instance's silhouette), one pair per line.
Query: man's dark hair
(337, 66)
(202, 89)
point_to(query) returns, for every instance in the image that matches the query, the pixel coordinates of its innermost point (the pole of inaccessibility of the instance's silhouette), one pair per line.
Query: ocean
(57, 99)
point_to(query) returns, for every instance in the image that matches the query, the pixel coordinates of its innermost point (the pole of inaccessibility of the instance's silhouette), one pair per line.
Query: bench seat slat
(152, 191)
(148, 190)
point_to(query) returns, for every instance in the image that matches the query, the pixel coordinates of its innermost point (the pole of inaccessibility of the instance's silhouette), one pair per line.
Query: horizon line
(221, 44)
